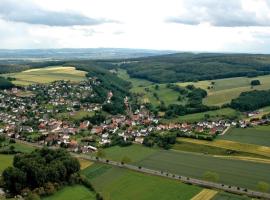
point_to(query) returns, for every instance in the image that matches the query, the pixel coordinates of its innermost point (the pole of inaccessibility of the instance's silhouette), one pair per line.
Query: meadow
(46, 75)
(134, 152)
(259, 135)
(76, 192)
(212, 115)
(224, 90)
(233, 172)
(121, 184)
(5, 161)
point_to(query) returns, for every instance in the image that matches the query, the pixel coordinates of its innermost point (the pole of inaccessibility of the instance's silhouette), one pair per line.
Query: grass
(47, 75)
(5, 161)
(228, 196)
(259, 135)
(214, 115)
(237, 146)
(78, 115)
(167, 95)
(77, 192)
(224, 90)
(232, 172)
(121, 73)
(121, 184)
(135, 152)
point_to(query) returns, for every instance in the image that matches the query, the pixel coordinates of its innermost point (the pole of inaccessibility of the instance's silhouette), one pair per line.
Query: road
(184, 179)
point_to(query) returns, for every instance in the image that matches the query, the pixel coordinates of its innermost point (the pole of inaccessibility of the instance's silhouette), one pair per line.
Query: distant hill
(182, 67)
(70, 54)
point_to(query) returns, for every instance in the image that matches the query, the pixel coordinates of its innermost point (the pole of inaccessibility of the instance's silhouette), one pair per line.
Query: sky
(183, 25)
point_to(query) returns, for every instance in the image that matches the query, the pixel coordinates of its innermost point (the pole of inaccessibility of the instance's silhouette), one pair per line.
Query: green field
(259, 135)
(228, 196)
(135, 152)
(5, 161)
(78, 115)
(224, 90)
(135, 81)
(213, 115)
(121, 184)
(47, 75)
(76, 192)
(233, 172)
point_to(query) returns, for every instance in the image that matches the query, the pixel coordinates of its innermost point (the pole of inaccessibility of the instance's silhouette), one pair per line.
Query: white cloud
(143, 25)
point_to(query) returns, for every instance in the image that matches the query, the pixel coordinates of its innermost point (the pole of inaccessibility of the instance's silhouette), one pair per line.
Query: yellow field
(224, 90)
(84, 163)
(47, 75)
(205, 194)
(237, 146)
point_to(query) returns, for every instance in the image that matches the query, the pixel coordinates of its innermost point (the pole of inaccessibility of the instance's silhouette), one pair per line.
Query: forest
(252, 100)
(184, 67)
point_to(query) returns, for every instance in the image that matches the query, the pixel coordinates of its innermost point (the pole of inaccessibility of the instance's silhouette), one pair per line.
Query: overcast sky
(185, 25)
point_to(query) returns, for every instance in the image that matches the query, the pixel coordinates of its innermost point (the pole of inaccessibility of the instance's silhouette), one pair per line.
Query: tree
(263, 186)
(255, 82)
(101, 153)
(32, 196)
(211, 176)
(126, 159)
(156, 87)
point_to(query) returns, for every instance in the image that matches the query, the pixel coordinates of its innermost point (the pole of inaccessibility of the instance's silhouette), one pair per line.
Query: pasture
(213, 115)
(224, 90)
(77, 115)
(134, 152)
(47, 75)
(259, 135)
(5, 161)
(233, 172)
(76, 192)
(121, 184)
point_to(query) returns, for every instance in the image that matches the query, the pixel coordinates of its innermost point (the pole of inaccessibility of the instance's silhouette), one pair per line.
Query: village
(35, 114)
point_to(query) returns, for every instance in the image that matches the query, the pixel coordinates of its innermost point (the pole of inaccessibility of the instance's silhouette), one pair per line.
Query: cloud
(30, 13)
(229, 13)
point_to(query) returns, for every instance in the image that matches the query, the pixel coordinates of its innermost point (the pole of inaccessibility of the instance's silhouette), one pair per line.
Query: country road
(184, 179)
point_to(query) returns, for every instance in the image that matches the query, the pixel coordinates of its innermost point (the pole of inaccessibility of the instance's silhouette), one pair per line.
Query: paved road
(184, 179)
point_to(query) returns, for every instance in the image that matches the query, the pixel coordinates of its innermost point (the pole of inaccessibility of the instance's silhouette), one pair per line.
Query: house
(139, 140)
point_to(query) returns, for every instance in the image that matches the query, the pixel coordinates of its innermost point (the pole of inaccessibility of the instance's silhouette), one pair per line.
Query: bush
(255, 82)
(263, 186)
(211, 176)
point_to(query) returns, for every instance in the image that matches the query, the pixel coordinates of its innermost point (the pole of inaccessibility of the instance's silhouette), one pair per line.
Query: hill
(182, 67)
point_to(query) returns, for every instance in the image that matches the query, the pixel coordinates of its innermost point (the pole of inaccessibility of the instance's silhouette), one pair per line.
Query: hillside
(183, 67)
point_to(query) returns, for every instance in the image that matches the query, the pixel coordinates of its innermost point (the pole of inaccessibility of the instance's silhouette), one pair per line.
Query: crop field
(213, 115)
(121, 184)
(84, 163)
(224, 90)
(237, 146)
(233, 172)
(47, 75)
(134, 152)
(77, 192)
(205, 194)
(5, 161)
(259, 135)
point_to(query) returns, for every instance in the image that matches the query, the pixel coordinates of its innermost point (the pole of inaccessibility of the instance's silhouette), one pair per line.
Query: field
(213, 115)
(259, 135)
(5, 161)
(232, 172)
(77, 192)
(134, 152)
(121, 184)
(78, 115)
(237, 146)
(224, 90)
(205, 194)
(84, 163)
(47, 75)
(228, 196)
